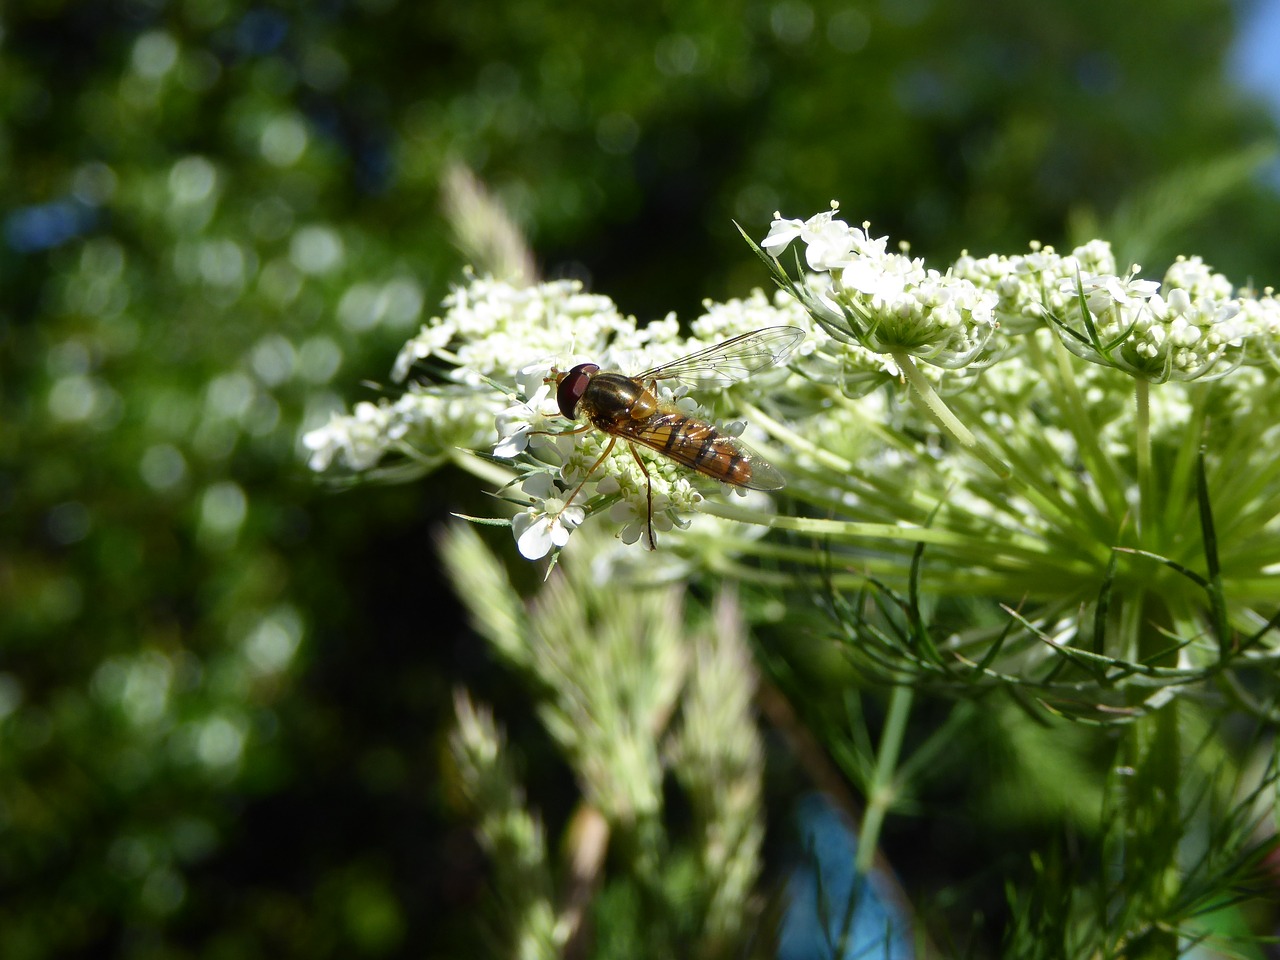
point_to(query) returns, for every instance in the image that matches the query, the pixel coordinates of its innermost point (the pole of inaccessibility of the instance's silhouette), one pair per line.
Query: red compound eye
(572, 386)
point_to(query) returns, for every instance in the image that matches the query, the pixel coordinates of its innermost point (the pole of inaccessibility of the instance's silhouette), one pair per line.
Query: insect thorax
(612, 396)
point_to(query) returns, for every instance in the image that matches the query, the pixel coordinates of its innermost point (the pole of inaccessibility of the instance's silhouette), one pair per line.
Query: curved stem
(942, 414)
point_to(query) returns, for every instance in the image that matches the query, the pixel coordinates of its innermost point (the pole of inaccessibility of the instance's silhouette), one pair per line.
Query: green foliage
(222, 687)
(625, 692)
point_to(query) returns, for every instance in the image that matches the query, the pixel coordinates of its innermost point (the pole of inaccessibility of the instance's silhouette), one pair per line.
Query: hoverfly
(628, 408)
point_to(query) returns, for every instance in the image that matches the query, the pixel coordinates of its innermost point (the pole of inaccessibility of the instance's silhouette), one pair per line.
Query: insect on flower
(629, 409)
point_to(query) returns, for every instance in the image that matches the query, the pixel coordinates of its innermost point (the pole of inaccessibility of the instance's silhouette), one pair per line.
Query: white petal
(512, 446)
(534, 543)
(781, 233)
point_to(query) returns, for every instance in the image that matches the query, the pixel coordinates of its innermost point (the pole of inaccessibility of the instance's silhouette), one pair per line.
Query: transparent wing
(733, 360)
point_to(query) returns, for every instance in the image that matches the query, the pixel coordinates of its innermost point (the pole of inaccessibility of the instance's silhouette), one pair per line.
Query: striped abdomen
(700, 446)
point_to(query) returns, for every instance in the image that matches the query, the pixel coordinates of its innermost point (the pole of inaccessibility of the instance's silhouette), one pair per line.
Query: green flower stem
(882, 790)
(1107, 476)
(481, 468)
(879, 493)
(1142, 448)
(835, 529)
(882, 491)
(797, 441)
(889, 571)
(1150, 640)
(979, 563)
(942, 414)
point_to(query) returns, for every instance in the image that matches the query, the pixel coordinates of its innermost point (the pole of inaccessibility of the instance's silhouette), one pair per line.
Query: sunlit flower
(633, 518)
(880, 328)
(1181, 330)
(886, 303)
(829, 242)
(525, 420)
(545, 526)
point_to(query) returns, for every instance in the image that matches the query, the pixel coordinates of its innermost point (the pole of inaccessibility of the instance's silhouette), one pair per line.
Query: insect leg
(559, 433)
(599, 460)
(648, 483)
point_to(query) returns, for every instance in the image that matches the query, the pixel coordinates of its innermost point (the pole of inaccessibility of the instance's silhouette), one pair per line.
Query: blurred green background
(223, 684)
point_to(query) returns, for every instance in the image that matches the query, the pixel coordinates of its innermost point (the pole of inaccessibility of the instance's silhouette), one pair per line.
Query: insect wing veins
(732, 360)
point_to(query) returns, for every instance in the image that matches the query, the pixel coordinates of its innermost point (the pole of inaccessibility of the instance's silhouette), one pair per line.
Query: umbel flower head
(885, 302)
(1186, 328)
(1006, 434)
(501, 349)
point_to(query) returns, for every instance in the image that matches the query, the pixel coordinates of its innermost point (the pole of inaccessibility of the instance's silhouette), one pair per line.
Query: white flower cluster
(1179, 330)
(499, 347)
(488, 330)
(886, 302)
(1191, 325)
(1029, 285)
(491, 328)
(1261, 318)
(492, 358)
(423, 423)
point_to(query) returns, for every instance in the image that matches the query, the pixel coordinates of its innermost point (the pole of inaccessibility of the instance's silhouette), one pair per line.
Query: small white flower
(830, 243)
(323, 443)
(540, 487)
(1183, 333)
(433, 336)
(1103, 291)
(545, 526)
(633, 514)
(781, 233)
(521, 421)
(883, 280)
(513, 433)
(890, 302)
(720, 321)
(355, 440)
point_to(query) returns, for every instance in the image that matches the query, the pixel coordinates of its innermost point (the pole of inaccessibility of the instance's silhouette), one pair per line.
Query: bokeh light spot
(222, 510)
(219, 742)
(68, 522)
(162, 466)
(154, 54)
(273, 359)
(319, 359)
(791, 21)
(284, 140)
(316, 249)
(191, 180)
(617, 133)
(270, 646)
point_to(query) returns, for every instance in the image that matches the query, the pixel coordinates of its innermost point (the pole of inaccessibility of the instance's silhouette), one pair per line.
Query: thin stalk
(1108, 480)
(1142, 448)
(837, 529)
(881, 792)
(484, 469)
(941, 413)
